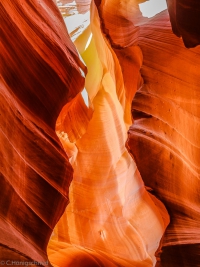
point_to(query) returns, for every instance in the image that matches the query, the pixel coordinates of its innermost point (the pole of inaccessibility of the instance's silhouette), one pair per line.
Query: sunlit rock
(110, 211)
(164, 138)
(66, 108)
(40, 72)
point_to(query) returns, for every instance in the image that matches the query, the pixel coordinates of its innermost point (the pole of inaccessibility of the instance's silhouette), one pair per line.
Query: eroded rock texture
(112, 219)
(165, 136)
(40, 72)
(109, 205)
(185, 20)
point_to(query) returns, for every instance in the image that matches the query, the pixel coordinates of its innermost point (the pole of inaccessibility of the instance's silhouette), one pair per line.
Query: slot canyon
(99, 133)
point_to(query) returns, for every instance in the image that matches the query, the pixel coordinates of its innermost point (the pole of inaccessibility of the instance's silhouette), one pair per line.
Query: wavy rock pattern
(109, 205)
(40, 72)
(164, 138)
(111, 220)
(185, 20)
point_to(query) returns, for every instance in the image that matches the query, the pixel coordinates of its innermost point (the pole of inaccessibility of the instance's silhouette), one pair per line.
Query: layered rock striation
(185, 20)
(40, 72)
(64, 135)
(164, 138)
(109, 204)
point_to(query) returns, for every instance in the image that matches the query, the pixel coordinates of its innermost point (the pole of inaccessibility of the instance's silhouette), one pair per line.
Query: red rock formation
(109, 205)
(169, 71)
(164, 138)
(40, 72)
(185, 20)
(112, 220)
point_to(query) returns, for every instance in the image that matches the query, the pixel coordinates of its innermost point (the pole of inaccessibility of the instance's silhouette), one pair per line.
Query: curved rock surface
(185, 20)
(164, 138)
(109, 205)
(112, 220)
(40, 72)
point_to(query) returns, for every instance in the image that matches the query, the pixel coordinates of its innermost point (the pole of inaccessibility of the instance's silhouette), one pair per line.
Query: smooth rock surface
(63, 134)
(165, 136)
(40, 72)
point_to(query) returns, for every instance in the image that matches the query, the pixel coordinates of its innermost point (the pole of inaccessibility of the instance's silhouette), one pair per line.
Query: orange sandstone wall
(40, 72)
(110, 211)
(185, 20)
(115, 216)
(165, 136)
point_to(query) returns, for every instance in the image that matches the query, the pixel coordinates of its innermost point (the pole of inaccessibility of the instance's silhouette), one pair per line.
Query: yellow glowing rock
(110, 210)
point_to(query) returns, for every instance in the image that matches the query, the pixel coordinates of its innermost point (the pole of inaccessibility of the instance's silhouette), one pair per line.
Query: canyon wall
(165, 136)
(40, 72)
(58, 146)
